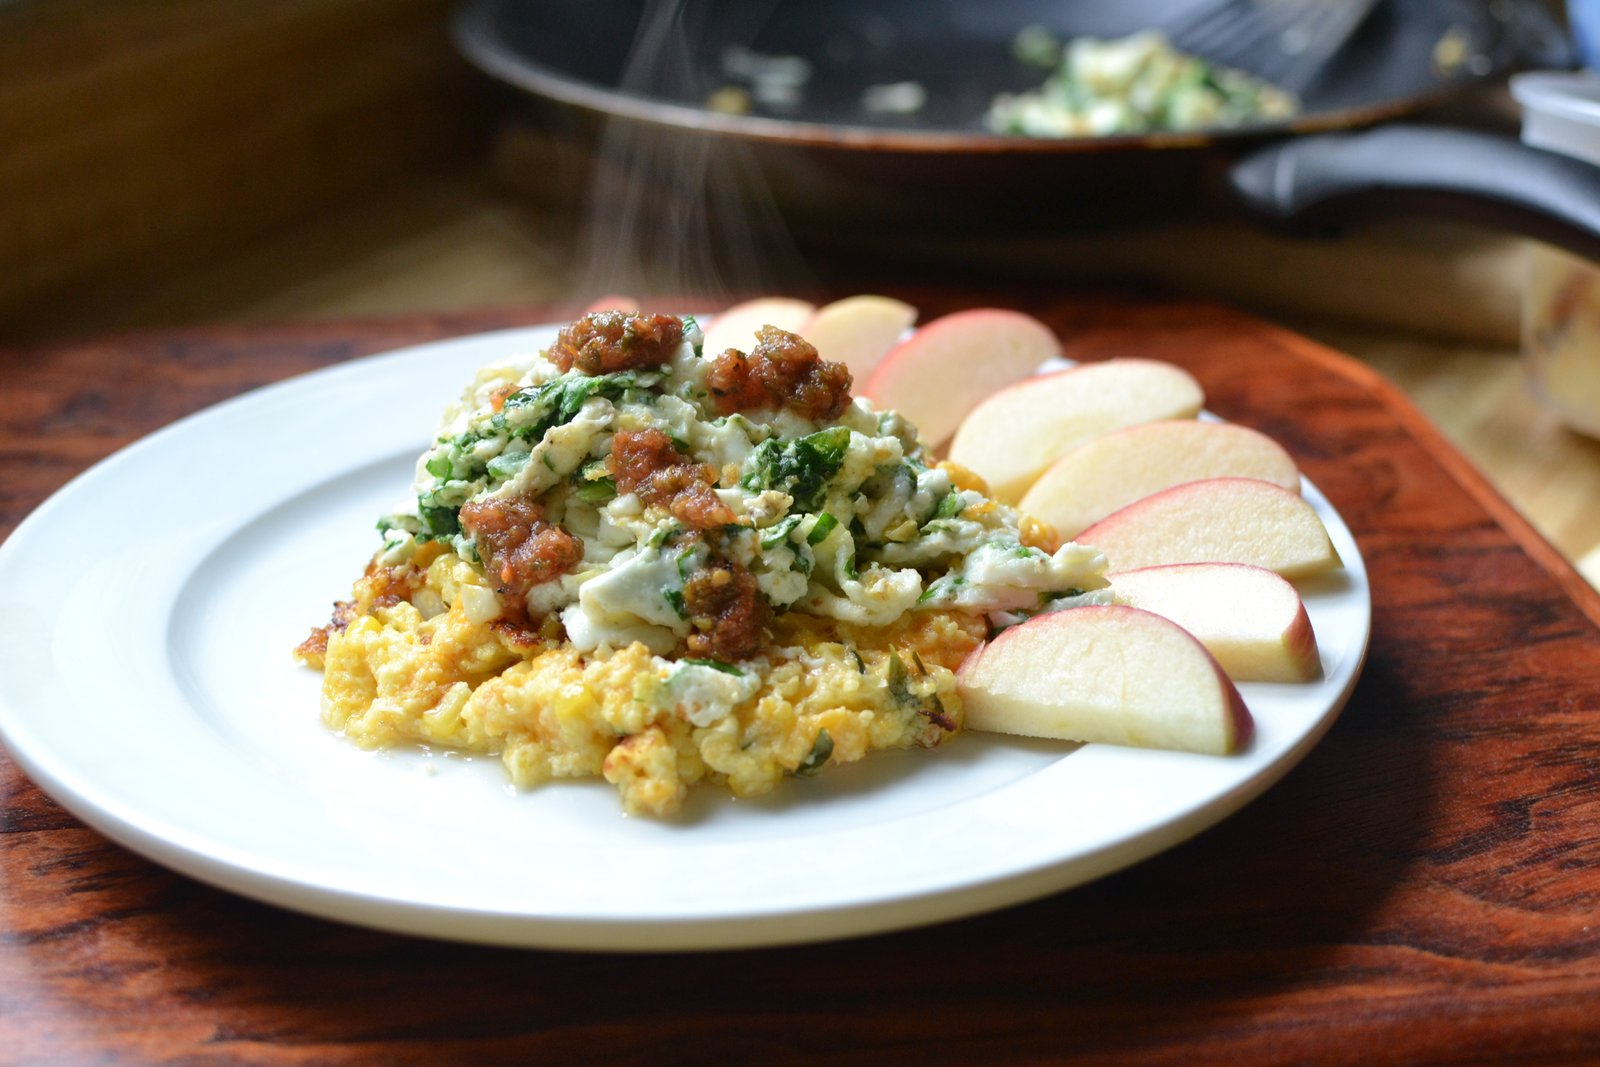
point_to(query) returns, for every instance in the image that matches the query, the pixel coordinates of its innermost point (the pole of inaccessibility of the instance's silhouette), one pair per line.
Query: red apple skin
(1250, 619)
(1023, 681)
(1208, 522)
(964, 356)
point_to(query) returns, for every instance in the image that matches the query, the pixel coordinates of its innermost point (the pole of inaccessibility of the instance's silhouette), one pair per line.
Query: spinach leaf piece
(801, 467)
(531, 413)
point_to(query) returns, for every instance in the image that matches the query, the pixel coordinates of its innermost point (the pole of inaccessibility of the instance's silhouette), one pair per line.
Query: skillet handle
(1319, 184)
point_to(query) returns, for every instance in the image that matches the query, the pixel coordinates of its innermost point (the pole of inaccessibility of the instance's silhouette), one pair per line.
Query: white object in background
(1561, 302)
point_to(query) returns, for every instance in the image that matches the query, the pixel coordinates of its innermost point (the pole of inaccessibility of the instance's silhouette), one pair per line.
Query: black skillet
(829, 162)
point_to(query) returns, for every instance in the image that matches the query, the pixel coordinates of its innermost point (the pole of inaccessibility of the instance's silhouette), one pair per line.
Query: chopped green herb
(898, 679)
(598, 491)
(716, 665)
(438, 522)
(777, 534)
(439, 465)
(532, 412)
(821, 749)
(942, 587)
(506, 465)
(674, 597)
(822, 528)
(801, 467)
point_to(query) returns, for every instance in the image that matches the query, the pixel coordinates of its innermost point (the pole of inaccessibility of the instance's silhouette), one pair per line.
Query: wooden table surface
(1422, 888)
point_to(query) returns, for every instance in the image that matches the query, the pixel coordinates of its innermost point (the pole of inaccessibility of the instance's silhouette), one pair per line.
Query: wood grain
(142, 140)
(1421, 889)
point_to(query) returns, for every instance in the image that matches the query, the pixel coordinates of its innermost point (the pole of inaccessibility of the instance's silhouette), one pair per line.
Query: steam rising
(674, 212)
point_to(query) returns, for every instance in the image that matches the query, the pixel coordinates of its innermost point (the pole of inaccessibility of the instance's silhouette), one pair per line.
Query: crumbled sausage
(782, 370)
(603, 342)
(647, 463)
(727, 611)
(519, 549)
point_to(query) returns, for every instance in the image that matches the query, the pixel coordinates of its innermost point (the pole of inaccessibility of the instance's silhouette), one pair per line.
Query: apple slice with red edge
(1218, 520)
(1012, 437)
(1249, 618)
(1117, 468)
(1104, 673)
(736, 327)
(937, 375)
(858, 330)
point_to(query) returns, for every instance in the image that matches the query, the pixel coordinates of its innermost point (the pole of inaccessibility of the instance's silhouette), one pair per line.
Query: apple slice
(858, 330)
(1114, 470)
(1219, 520)
(1252, 620)
(935, 377)
(736, 327)
(1109, 674)
(1013, 436)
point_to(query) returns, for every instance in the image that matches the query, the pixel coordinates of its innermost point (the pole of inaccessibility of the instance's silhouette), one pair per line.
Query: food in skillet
(636, 557)
(1131, 85)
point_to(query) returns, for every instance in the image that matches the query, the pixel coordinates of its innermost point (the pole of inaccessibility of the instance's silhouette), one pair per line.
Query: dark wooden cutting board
(1424, 887)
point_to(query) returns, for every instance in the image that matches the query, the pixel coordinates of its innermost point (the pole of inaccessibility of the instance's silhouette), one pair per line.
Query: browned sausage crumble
(727, 610)
(646, 462)
(519, 549)
(604, 342)
(782, 370)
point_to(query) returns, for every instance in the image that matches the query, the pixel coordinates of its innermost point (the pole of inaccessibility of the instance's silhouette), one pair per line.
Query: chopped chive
(716, 665)
(822, 528)
(598, 491)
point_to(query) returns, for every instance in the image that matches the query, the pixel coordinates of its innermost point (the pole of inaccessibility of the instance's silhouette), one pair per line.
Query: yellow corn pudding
(634, 559)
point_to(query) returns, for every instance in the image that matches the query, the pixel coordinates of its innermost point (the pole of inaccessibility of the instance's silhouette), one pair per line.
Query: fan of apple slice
(1012, 437)
(1109, 674)
(1115, 469)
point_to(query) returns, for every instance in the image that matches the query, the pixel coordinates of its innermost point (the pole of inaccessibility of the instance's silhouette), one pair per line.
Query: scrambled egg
(662, 574)
(1130, 85)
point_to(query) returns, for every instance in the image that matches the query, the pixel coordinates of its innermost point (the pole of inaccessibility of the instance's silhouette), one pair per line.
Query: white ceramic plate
(148, 610)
